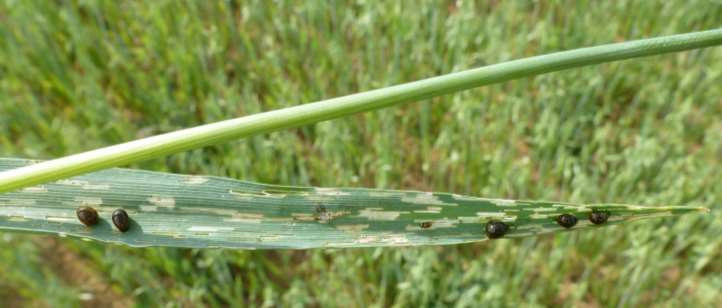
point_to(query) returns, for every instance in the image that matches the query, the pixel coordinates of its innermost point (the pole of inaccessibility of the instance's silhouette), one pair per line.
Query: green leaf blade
(203, 212)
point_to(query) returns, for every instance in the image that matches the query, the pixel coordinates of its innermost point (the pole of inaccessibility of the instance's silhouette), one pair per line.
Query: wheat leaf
(202, 211)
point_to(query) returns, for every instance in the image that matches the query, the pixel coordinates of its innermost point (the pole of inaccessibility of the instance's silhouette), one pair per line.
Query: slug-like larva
(567, 220)
(121, 220)
(87, 215)
(496, 229)
(598, 217)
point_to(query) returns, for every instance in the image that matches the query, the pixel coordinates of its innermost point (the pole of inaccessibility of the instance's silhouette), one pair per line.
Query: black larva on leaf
(496, 229)
(425, 225)
(567, 220)
(322, 215)
(87, 215)
(121, 220)
(598, 217)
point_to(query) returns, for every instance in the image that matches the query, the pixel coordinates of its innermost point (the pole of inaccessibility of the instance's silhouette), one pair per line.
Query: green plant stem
(214, 133)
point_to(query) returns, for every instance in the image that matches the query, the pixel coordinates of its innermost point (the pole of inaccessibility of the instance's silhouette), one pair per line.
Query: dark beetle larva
(567, 220)
(87, 215)
(496, 229)
(425, 225)
(598, 218)
(121, 220)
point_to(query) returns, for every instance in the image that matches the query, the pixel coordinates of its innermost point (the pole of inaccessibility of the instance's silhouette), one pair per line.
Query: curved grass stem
(214, 133)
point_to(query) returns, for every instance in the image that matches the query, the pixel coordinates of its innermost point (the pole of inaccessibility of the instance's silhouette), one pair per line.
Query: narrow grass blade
(200, 136)
(199, 211)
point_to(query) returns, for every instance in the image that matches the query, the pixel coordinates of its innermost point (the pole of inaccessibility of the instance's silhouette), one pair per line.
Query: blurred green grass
(76, 75)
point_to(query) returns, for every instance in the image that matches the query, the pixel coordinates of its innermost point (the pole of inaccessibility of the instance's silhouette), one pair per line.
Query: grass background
(77, 75)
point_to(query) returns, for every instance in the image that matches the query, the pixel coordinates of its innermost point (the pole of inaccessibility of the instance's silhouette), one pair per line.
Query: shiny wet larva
(87, 215)
(598, 217)
(567, 220)
(121, 220)
(496, 229)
